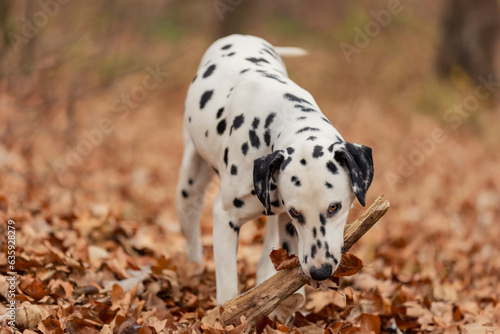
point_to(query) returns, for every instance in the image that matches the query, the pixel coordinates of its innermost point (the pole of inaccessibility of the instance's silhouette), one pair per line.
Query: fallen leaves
(349, 265)
(281, 260)
(84, 246)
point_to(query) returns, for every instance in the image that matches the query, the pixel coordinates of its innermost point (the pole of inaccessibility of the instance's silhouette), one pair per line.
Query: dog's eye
(334, 207)
(294, 213)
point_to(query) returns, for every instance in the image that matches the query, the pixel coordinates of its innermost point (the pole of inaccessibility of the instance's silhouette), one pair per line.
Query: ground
(88, 180)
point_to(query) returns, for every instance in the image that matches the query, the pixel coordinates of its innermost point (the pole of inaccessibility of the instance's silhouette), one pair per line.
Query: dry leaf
(349, 265)
(281, 260)
(370, 323)
(50, 326)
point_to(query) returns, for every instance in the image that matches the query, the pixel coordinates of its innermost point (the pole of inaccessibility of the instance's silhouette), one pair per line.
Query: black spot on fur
(285, 163)
(209, 71)
(254, 139)
(290, 150)
(322, 219)
(318, 151)
(296, 181)
(244, 148)
(305, 259)
(318, 244)
(339, 141)
(313, 251)
(301, 219)
(219, 112)
(234, 170)
(276, 203)
(234, 227)
(190, 182)
(330, 255)
(237, 122)
(238, 203)
(285, 246)
(267, 137)
(322, 230)
(227, 46)
(307, 128)
(205, 98)
(185, 194)
(226, 152)
(272, 76)
(270, 53)
(269, 119)
(301, 118)
(221, 127)
(332, 167)
(328, 185)
(326, 120)
(271, 50)
(303, 162)
(257, 61)
(304, 108)
(315, 233)
(293, 98)
(231, 54)
(312, 138)
(245, 70)
(206, 133)
(290, 229)
(255, 123)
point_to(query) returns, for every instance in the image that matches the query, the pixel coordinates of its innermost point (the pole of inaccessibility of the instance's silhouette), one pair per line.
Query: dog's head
(317, 185)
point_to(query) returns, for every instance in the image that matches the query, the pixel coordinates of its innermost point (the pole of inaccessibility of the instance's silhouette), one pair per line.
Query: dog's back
(232, 67)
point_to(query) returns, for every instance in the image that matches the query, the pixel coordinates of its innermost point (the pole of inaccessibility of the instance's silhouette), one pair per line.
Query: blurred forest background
(91, 104)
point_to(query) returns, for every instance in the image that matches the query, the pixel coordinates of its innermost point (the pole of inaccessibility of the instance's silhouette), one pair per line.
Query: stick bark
(261, 300)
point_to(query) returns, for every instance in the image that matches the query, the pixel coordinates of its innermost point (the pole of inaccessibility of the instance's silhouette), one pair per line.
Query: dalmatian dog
(276, 155)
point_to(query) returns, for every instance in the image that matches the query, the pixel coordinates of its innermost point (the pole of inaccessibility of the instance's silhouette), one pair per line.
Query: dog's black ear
(263, 169)
(360, 164)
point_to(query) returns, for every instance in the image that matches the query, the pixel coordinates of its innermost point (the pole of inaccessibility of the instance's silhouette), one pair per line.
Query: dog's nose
(322, 273)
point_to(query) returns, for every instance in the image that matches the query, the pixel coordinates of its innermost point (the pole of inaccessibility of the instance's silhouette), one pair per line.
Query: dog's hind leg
(194, 177)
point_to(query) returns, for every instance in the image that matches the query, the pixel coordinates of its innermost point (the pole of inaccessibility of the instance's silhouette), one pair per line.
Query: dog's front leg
(225, 240)
(265, 267)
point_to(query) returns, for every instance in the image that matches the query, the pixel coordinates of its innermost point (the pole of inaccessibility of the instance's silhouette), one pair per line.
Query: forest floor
(98, 247)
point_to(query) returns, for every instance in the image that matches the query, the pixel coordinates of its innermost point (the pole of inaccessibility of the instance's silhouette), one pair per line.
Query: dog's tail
(290, 51)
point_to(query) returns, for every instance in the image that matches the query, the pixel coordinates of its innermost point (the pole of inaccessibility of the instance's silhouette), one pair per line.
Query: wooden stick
(354, 231)
(261, 300)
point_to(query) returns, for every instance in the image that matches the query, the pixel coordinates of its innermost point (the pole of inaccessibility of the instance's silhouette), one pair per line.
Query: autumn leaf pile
(99, 248)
